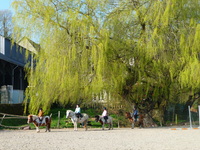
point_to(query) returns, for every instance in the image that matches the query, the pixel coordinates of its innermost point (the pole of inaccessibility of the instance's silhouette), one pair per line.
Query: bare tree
(6, 25)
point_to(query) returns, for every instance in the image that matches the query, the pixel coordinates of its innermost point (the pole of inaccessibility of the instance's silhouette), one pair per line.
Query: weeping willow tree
(132, 49)
(72, 63)
(158, 41)
(161, 40)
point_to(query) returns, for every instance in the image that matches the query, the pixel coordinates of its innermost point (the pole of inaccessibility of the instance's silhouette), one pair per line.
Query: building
(13, 58)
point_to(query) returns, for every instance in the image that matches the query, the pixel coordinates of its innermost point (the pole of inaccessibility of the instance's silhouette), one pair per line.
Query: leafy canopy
(131, 49)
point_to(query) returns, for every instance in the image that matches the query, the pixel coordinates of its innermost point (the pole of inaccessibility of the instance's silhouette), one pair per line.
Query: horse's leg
(85, 125)
(133, 125)
(37, 129)
(103, 126)
(140, 124)
(49, 126)
(75, 126)
(110, 121)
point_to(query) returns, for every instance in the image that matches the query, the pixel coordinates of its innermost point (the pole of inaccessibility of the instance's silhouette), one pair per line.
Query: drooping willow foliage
(131, 49)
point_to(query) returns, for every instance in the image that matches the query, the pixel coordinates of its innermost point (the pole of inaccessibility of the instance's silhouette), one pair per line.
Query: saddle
(105, 118)
(40, 119)
(79, 115)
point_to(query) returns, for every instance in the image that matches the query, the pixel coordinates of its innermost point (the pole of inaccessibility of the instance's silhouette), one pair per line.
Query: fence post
(190, 116)
(58, 124)
(2, 118)
(118, 125)
(199, 115)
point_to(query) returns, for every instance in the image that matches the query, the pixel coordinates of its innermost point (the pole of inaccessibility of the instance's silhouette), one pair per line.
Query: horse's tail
(50, 118)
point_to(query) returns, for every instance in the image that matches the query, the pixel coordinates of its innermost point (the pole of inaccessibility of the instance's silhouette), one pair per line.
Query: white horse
(103, 122)
(75, 119)
(46, 121)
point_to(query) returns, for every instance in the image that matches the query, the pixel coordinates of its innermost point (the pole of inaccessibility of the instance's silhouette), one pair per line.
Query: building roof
(29, 45)
(11, 52)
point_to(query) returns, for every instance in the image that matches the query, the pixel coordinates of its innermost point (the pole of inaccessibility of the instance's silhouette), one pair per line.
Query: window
(2, 45)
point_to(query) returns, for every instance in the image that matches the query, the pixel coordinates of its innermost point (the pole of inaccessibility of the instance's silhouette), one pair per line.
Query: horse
(133, 121)
(46, 121)
(102, 121)
(75, 119)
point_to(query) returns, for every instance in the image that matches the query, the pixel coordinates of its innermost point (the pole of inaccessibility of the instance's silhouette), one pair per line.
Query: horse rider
(40, 115)
(78, 112)
(105, 114)
(135, 113)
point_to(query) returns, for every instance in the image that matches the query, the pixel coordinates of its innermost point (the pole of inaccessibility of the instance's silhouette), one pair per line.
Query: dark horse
(133, 121)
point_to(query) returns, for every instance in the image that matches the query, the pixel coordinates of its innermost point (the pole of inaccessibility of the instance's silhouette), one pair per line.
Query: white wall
(2, 45)
(10, 96)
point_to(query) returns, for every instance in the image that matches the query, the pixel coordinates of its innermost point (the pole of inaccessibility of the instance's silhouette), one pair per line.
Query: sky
(5, 4)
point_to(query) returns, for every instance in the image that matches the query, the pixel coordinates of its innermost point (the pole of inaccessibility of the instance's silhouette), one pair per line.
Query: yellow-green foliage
(87, 47)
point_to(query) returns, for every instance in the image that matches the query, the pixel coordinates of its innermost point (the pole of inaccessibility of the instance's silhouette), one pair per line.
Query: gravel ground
(97, 139)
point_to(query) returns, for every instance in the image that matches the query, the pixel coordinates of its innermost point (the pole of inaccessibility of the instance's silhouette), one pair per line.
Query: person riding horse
(75, 120)
(78, 112)
(40, 115)
(135, 113)
(105, 114)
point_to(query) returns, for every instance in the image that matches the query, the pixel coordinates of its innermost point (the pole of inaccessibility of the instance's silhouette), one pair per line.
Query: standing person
(135, 113)
(40, 115)
(78, 111)
(105, 114)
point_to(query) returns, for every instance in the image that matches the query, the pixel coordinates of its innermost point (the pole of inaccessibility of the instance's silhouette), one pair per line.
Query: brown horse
(46, 121)
(133, 121)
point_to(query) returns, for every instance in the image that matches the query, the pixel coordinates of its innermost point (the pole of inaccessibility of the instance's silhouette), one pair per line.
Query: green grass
(15, 123)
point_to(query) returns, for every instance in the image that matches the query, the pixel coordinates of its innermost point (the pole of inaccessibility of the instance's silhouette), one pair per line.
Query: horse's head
(97, 118)
(128, 115)
(30, 119)
(68, 113)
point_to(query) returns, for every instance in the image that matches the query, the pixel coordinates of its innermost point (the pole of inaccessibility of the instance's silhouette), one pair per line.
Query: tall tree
(159, 29)
(132, 49)
(6, 26)
(156, 30)
(72, 64)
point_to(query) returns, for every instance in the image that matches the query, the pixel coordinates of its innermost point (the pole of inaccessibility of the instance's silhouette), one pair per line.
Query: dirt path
(96, 139)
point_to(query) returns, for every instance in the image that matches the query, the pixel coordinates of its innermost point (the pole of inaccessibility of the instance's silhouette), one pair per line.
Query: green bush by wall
(16, 109)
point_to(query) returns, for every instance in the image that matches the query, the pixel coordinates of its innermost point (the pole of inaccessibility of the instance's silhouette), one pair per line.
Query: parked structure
(13, 58)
